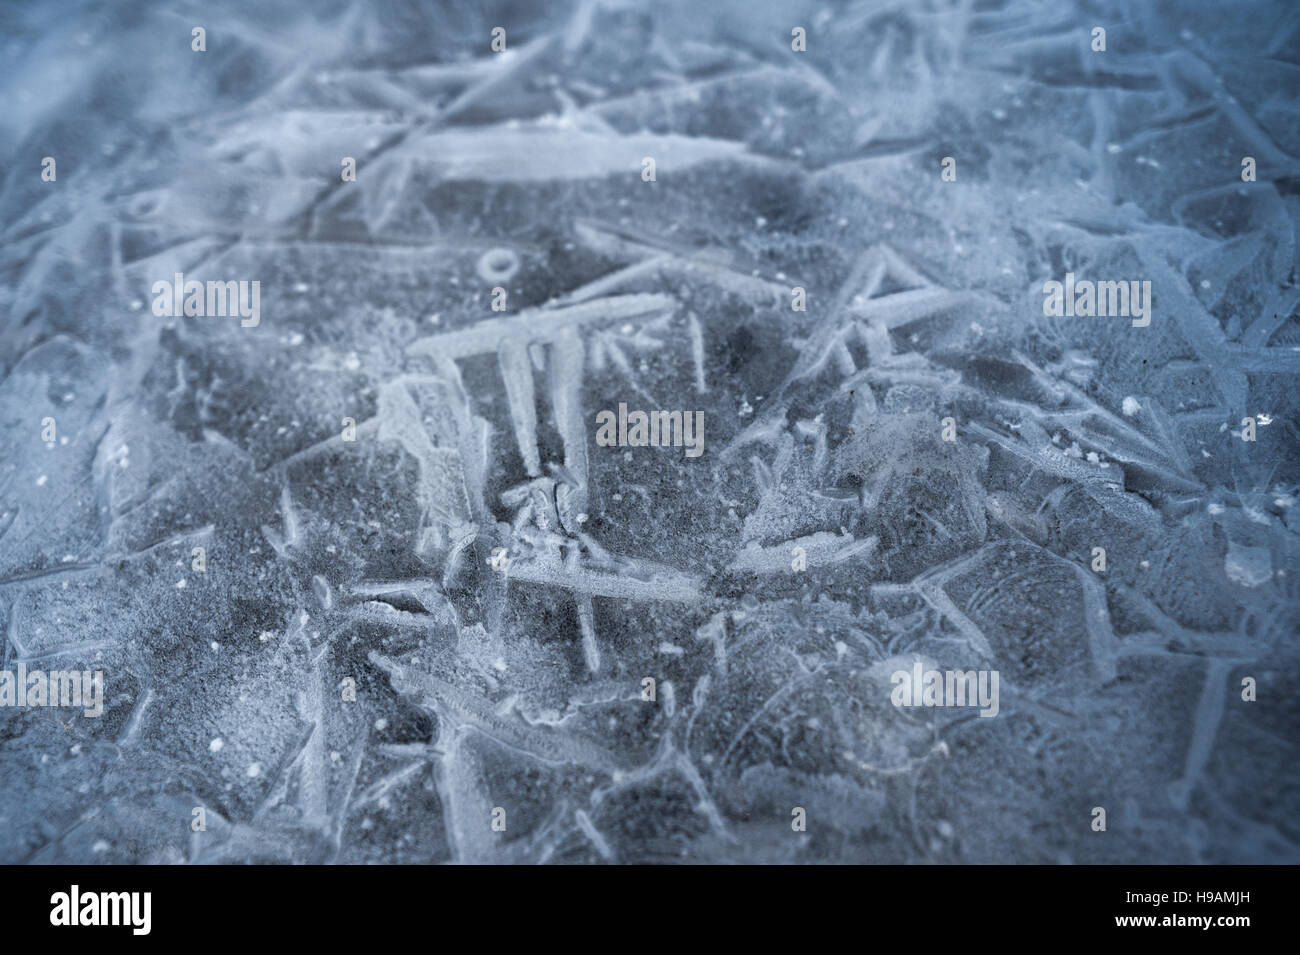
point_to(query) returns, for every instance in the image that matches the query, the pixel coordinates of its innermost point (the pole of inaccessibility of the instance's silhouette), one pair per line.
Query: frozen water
(428, 592)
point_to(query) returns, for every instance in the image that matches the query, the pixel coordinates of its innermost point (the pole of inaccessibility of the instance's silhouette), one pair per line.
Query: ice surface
(429, 593)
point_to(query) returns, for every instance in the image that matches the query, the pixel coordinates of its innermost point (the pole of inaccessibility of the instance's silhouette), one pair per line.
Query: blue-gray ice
(363, 583)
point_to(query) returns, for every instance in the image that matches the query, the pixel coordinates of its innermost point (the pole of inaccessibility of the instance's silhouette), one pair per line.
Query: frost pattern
(497, 586)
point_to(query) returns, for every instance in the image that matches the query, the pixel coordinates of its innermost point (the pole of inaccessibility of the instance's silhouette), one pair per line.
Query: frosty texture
(519, 685)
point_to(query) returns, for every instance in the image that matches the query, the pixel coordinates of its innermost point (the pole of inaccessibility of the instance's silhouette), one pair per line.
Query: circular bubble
(498, 265)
